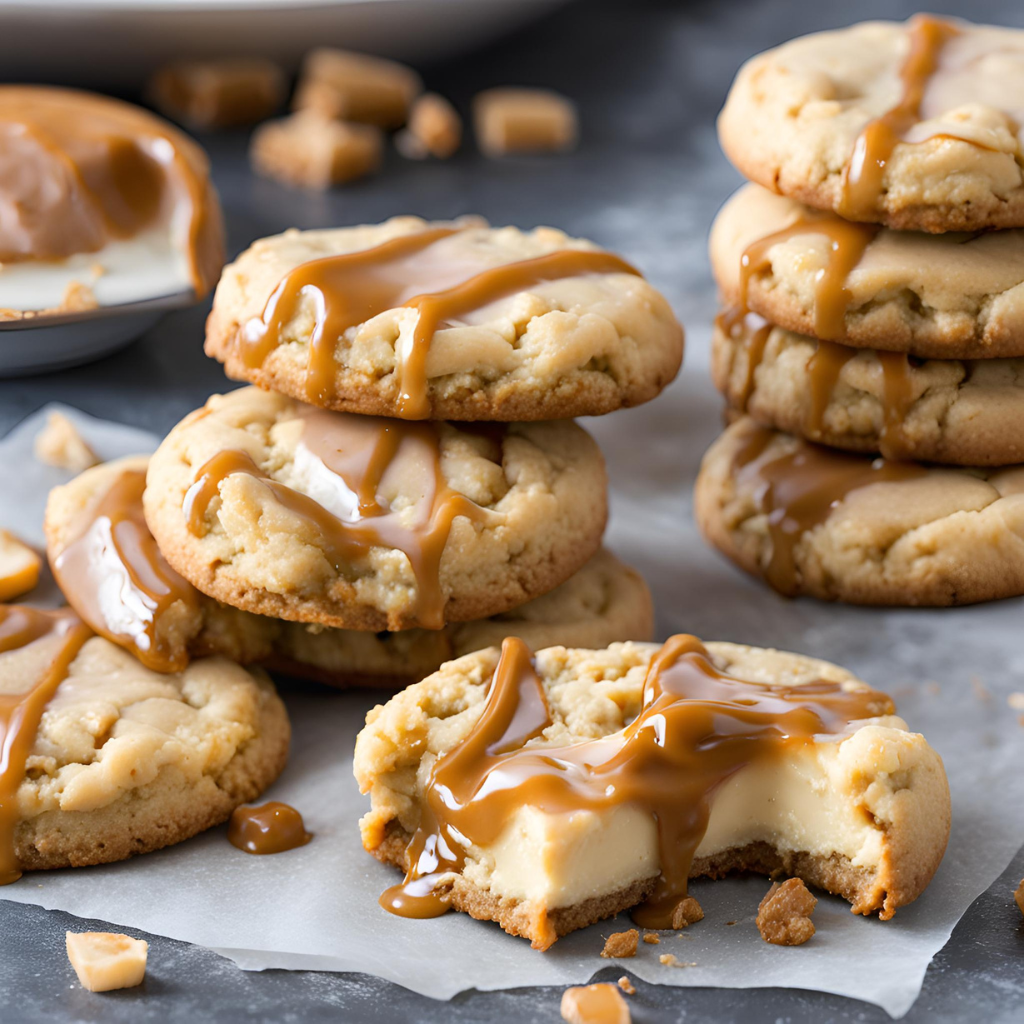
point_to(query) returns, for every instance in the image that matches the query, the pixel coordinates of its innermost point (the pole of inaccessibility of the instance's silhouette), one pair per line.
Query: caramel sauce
(78, 171)
(361, 453)
(897, 399)
(416, 271)
(863, 177)
(798, 490)
(697, 727)
(21, 713)
(734, 323)
(273, 827)
(113, 575)
(823, 369)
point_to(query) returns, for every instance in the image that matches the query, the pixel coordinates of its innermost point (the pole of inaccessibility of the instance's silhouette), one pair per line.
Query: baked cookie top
(844, 527)
(913, 125)
(113, 759)
(596, 740)
(956, 296)
(439, 320)
(274, 507)
(952, 411)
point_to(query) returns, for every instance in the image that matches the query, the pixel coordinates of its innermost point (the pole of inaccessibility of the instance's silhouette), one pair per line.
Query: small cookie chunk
(307, 150)
(19, 567)
(784, 915)
(551, 328)
(844, 527)
(524, 121)
(933, 296)
(568, 837)
(126, 760)
(830, 119)
(356, 87)
(688, 912)
(600, 1003)
(620, 945)
(449, 525)
(218, 93)
(957, 412)
(59, 444)
(105, 961)
(434, 129)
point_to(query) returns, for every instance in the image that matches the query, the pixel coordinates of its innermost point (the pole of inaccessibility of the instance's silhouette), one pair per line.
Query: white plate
(120, 42)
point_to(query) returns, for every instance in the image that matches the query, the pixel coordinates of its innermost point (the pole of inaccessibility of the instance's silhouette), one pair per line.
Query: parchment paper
(316, 907)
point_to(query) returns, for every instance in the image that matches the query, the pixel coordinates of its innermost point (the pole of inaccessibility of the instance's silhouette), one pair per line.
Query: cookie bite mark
(55, 638)
(864, 175)
(415, 271)
(109, 568)
(697, 726)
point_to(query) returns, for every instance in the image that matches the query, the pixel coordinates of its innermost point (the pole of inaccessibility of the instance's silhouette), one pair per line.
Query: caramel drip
(847, 243)
(698, 726)
(21, 713)
(897, 400)
(798, 490)
(734, 324)
(272, 827)
(78, 171)
(823, 369)
(413, 271)
(113, 575)
(362, 453)
(864, 174)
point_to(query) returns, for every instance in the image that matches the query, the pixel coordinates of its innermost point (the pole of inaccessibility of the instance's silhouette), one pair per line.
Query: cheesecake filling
(710, 763)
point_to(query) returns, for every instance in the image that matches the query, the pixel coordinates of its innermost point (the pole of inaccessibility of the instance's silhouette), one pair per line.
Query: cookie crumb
(218, 93)
(105, 961)
(686, 913)
(621, 944)
(728, 923)
(671, 960)
(77, 298)
(1016, 701)
(594, 1004)
(307, 150)
(19, 567)
(627, 986)
(347, 86)
(652, 938)
(1019, 896)
(434, 129)
(59, 444)
(784, 915)
(523, 121)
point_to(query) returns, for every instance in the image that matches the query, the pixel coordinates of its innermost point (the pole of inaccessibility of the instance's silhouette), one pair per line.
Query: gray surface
(646, 181)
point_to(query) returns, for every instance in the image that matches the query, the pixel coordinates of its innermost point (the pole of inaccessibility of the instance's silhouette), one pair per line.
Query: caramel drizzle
(113, 575)
(823, 369)
(798, 490)
(272, 827)
(21, 713)
(864, 174)
(410, 271)
(361, 451)
(122, 168)
(733, 323)
(698, 726)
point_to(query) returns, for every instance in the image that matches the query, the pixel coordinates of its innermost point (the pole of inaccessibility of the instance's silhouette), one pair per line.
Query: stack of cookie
(411, 489)
(869, 309)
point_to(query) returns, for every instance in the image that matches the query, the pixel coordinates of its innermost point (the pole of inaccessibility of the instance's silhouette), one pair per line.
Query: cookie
(274, 507)
(953, 296)
(574, 780)
(452, 321)
(164, 627)
(844, 527)
(959, 412)
(913, 125)
(124, 760)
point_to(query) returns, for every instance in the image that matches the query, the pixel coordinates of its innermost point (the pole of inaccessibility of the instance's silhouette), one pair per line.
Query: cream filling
(147, 266)
(812, 801)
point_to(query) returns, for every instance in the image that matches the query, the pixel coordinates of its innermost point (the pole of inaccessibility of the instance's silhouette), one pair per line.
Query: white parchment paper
(316, 908)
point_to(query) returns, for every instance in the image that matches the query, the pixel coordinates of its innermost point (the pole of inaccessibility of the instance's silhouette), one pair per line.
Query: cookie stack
(871, 309)
(406, 484)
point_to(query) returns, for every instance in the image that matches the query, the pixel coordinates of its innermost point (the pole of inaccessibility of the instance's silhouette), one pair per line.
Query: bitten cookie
(959, 412)
(844, 527)
(913, 125)
(126, 760)
(952, 296)
(277, 508)
(590, 817)
(164, 626)
(444, 321)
